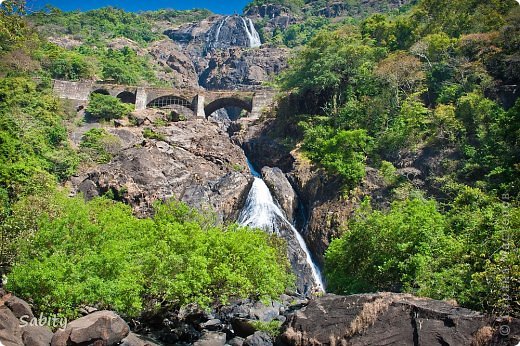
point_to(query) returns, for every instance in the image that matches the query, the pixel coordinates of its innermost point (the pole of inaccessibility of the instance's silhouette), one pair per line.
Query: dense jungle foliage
(434, 83)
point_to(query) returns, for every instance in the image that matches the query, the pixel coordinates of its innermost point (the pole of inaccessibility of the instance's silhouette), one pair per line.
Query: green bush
(339, 151)
(99, 145)
(469, 253)
(149, 133)
(385, 250)
(99, 254)
(107, 107)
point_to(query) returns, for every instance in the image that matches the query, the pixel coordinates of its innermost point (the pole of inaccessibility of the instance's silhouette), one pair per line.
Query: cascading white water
(217, 32)
(261, 211)
(252, 34)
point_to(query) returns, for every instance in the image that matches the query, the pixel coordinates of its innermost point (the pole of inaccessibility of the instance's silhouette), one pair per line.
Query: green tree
(107, 107)
(341, 152)
(386, 250)
(98, 253)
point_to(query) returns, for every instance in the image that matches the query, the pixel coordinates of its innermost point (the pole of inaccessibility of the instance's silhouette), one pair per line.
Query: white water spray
(252, 34)
(261, 211)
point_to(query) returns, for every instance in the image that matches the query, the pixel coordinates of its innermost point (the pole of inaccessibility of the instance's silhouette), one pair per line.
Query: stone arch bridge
(201, 102)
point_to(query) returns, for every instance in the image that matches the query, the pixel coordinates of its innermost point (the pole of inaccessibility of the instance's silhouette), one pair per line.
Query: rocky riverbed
(367, 319)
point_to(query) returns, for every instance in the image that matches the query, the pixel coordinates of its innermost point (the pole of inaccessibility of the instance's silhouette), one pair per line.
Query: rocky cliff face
(195, 163)
(225, 53)
(238, 68)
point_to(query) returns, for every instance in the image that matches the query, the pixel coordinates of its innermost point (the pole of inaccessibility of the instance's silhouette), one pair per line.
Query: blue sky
(219, 6)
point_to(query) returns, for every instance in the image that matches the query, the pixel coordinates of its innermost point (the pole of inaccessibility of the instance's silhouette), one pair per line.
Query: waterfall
(261, 211)
(252, 34)
(217, 32)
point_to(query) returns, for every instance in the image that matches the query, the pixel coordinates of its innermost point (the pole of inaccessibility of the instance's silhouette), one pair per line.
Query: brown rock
(19, 307)
(196, 163)
(10, 331)
(36, 336)
(135, 340)
(101, 328)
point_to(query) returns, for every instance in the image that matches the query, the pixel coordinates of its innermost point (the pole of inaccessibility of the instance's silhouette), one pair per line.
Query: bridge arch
(169, 101)
(127, 97)
(101, 91)
(228, 102)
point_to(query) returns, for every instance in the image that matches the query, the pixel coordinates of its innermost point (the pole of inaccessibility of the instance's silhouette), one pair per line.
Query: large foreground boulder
(10, 331)
(394, 319)
(101, 327)
(36, 336)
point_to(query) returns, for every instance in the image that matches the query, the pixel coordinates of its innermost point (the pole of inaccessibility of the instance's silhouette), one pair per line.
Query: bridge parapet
(201, 102)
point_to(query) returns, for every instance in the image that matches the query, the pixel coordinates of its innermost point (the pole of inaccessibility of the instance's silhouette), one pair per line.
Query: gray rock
(197, 164)
(36, 336)
(211, 325)
(10, 331)
(100, 326)
(282, 190)
(211, 339)
(135, 340)
(19, 307)
(258, 339)
(264, 313)
(236, 341)
(390, 319)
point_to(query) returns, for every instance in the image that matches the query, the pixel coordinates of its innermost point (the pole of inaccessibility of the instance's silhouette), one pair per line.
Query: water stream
(219, 28)
(252, 34)
(261, 211)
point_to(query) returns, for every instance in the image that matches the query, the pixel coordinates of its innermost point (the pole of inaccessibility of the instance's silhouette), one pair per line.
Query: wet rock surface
(282, 190)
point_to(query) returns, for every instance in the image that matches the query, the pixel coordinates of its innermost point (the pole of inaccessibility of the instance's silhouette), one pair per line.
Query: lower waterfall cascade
(261, 211)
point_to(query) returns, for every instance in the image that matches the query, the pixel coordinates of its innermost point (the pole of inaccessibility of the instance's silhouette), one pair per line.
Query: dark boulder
(258, 339)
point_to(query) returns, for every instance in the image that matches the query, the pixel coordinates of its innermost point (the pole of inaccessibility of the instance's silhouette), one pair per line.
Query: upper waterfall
(233, 31)
(254, 37)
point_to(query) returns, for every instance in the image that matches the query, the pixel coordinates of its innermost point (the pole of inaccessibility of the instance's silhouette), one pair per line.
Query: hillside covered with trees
(433, 83)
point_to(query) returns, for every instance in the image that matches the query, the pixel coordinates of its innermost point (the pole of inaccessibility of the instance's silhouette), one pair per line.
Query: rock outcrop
(394, 319)
(282, 190)
(175, 66)
(234, 67)
(195, 162)
(219, 50)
